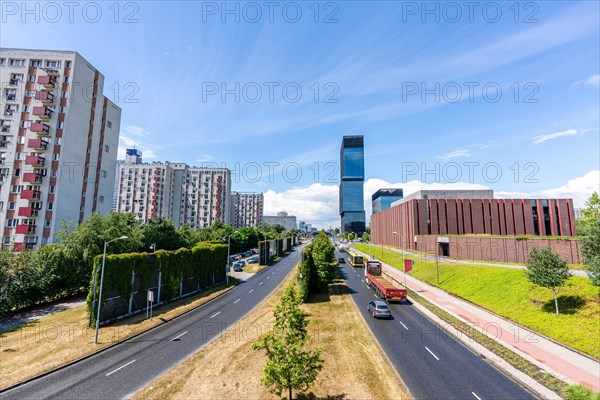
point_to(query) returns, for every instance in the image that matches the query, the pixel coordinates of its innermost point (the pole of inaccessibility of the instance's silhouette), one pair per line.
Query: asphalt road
(124, 369)
(431, 363)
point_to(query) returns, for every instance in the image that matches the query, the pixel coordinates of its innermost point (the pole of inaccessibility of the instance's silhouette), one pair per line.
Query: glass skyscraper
(383, 199)
(352, 177)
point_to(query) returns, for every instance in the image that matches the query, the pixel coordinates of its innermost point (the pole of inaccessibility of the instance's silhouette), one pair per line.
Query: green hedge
(205, 261)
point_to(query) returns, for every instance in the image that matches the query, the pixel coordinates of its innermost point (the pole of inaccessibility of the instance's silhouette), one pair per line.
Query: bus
(355, 260)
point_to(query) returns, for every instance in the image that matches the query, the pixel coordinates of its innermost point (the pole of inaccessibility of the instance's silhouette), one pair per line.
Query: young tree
(323, 254)
(366, 237)
(545, 268)
(592, 207)
(289, 367)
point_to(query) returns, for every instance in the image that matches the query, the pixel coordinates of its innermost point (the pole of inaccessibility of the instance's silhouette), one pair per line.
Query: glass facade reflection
(383, 199)
(352, 171)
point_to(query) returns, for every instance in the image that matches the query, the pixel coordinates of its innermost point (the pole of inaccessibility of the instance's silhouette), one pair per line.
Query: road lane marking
(362, 280)
(178, 336)
(273, 273)
(216, 314)
(236, 301)
(403, 325)
(473, 393)
(121, 367)
(430, 352)
(268, 277)
(251, 291)
(375, 296)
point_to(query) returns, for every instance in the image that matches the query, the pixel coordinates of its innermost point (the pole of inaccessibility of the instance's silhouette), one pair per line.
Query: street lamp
(227, 263)
(101, 282)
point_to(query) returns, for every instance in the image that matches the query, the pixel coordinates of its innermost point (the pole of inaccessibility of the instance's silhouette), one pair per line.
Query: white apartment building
(282, 218)
(185, 195)
(58, 144)
(247, 209)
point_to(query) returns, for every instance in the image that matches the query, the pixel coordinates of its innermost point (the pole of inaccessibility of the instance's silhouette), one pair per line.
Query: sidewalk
(547, 354)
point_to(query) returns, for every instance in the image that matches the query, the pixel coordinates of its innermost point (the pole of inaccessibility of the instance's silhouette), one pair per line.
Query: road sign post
(149, 301)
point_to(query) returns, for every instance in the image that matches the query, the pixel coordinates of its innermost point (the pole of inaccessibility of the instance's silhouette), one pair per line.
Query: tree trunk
(555, 300)
(290, 393)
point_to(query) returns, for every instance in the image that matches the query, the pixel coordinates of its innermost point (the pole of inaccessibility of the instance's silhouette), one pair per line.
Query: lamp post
(101, 282)
(227, 263)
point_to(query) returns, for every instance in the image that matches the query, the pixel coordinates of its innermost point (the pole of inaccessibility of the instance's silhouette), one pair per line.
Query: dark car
(253, 260)
(238, 266)
(341, 260)
(379, 309)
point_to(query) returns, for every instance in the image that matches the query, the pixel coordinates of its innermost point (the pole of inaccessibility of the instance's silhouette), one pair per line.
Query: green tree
(323, 254)
(288, 366)
(592, 207)
(590, 249)
(366, 237)
(162, 233)
(545, 268)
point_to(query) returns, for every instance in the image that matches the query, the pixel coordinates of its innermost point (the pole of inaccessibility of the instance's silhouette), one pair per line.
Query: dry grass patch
(57, 339)
(254, 268)
(355, 366)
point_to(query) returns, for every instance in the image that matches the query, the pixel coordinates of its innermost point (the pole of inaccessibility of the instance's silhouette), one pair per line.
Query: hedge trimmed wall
(170, 274)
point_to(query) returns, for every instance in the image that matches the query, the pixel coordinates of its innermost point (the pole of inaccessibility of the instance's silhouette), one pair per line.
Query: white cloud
(455, 154)
(136, 137)
(135, 130)
(579, 189)
(593, 81)
(549, 136)
(205, 158)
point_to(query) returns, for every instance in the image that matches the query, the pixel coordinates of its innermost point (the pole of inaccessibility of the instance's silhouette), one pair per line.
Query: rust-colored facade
(504, 217)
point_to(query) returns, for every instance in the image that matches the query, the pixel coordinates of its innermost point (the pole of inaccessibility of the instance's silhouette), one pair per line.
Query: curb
(87, 356)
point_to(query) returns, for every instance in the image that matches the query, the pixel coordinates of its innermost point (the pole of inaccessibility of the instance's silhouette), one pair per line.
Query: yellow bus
(355, 260)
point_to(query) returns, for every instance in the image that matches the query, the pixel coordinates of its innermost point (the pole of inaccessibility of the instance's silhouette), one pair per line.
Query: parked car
(379, 309)
(341, 260)
(238, 266)
(253, 251)
(253, 260)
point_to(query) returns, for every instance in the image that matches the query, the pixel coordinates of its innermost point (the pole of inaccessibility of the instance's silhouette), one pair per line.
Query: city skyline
(390, 73)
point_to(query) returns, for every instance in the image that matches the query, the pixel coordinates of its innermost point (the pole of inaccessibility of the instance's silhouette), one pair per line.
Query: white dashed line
(430, 352)
(477, 397)
(236, 301)
(121, 367)
(178, 336)
(403, 325)
(216, 314)
(251, 291)
(362, 280)
(262, 283)
(268, 277)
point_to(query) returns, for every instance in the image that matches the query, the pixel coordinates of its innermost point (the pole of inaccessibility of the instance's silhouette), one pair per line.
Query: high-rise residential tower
(352, 177)
(247, 209)
(58, 144)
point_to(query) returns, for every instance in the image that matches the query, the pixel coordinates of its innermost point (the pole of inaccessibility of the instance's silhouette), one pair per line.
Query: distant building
(282, 218)
(303, 226)
(352, 177)
(383, 199)
(247, 209)
(188, 195)
(578, 213)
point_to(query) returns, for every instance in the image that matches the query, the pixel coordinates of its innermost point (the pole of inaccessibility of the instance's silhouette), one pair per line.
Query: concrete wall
(496, 249)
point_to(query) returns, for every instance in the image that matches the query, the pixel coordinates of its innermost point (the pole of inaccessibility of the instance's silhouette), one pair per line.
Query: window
(61, 125)
(47, 223)
(25, 124)
(17, 63)
(30, 93)
(20, 156)
(56, 156)
(18, 171)
(53, 64)
(106, 148)
(11, 222)
(31, 78)
(50, 205)
(62, 109)
(16, 189)
(25, 108)
(2, 61)
(109, 124)
(45, 239)
(103, 173)
(36, 63)
(67, 64)
(66, 79)
(58, 140)
(51, 189)
(11, 205)
(65, 94)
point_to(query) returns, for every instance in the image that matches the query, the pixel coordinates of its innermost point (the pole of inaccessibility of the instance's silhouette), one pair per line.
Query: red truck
(383, 288)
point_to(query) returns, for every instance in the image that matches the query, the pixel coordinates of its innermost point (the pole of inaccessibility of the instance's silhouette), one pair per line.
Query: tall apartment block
(247, 209)
(185, 195)
(352, 177)
(58, 144)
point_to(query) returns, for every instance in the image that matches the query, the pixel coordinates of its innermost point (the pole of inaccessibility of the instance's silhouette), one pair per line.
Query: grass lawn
(228, 368)
(508, 293)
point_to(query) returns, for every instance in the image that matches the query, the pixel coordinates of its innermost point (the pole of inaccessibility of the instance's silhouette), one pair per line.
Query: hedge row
(205, 262)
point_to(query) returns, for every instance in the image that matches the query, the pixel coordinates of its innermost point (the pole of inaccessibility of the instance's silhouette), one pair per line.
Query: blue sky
(464, 93)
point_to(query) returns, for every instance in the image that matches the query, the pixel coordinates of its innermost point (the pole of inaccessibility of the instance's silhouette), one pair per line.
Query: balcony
(14, 81)
(51, 71)
(5, 128)
(25, 230)
(33, 178)
(4, 143)
(43, 113)
(40, 128)
(49, 82)
(35, 160)
(33, 195)
(38, 144)
(28, 212)
(44, 96)
(11, 97)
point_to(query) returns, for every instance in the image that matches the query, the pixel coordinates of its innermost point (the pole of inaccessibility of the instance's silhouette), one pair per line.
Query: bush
(579, 392)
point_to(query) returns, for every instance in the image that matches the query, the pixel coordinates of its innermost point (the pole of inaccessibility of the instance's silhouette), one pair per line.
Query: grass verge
(355, 367)
(508, 293)
(55, 340)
